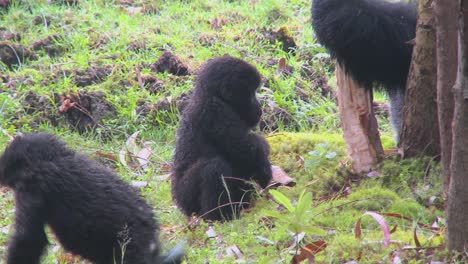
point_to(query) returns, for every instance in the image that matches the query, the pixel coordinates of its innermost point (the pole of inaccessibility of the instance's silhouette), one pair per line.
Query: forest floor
(111, 78)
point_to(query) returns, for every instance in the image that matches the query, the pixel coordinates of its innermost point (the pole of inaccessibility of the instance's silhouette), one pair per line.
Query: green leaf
(276, 215)
(312, 230)
(283, 200)
(304, 204)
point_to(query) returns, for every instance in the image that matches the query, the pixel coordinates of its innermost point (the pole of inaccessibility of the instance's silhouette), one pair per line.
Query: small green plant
(321, 155)
(296, 219)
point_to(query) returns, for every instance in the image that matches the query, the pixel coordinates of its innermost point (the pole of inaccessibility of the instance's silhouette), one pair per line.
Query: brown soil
(6, 35)
(50, 45)
(81, 111)
(85, 111)
(283, 36)
(169, 62)
(14, 54)
(42, 20)
(92, 75)
(11, 83)
(152, 84)
(41, 108)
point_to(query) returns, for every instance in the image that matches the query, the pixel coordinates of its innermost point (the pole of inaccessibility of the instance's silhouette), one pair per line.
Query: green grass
(104, 34)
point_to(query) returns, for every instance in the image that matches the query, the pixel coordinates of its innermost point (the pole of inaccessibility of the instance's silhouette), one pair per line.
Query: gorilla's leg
(397, 101)
(187, 188)
(222, 195)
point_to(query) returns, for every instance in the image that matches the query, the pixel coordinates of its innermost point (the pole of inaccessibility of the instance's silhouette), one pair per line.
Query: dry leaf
(234, 251)
(143, 157)
(108, 156)
(280, 177)
(139, 184)
(282, 66)
(132, 10)
(210, 232)
(309, 251)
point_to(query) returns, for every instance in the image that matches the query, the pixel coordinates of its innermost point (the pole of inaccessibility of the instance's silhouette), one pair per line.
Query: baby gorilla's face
(249, 107)
(255, 112)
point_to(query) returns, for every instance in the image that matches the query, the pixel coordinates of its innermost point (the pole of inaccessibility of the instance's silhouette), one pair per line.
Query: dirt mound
(42, 109)
(14, 54)
(169, 62)
(151, 83)
(92, 75)
(81, 111)
(282, 36)
(85, 111)
(6, 35)
(50, 45)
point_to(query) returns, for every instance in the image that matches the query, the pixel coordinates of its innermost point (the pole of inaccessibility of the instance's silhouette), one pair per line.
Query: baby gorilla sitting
(217, 154)
(92, 212)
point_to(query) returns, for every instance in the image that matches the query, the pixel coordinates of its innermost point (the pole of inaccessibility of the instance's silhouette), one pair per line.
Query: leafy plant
(295, 220)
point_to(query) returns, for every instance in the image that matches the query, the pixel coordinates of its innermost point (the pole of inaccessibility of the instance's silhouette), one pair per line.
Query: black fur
(92, 212)
(370, 39)
(215, 142)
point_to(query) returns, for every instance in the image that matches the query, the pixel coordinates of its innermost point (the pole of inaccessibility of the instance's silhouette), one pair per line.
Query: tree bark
(457, 209)
(420, 133)
(446, 40)
(360, 128)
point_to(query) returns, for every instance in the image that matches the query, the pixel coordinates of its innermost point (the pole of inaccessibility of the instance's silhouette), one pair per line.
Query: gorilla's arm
(233, 137)
(29, 241)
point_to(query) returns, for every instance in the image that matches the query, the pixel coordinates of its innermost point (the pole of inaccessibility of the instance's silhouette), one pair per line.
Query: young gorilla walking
(217, 154)
(370, 39)
(92, 212)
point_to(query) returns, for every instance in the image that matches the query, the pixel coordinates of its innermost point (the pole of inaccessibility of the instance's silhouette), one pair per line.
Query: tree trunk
(420, 133)
(359, 124)
(457, 209)
(446, 39)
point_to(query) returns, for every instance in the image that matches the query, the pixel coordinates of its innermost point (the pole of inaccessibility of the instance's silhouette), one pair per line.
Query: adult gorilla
(370, 39)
